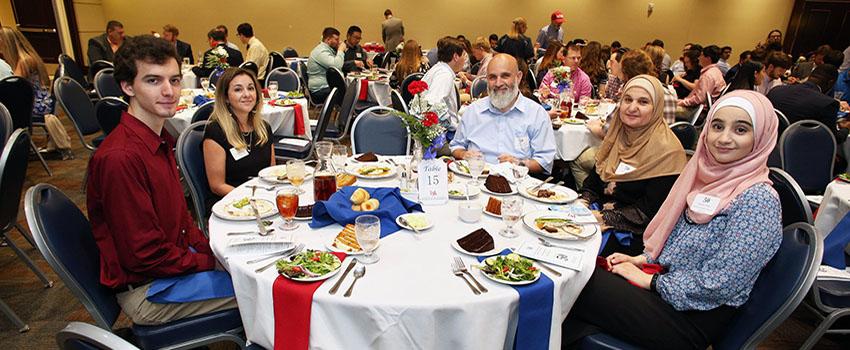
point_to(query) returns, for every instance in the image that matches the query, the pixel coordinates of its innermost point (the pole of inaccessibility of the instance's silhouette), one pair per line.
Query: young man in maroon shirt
(135, 200)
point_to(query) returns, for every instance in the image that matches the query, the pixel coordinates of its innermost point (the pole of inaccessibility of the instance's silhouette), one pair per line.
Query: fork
(297, 250)
(269, 255)
(537, 187)
(460, 266)
(457, 272)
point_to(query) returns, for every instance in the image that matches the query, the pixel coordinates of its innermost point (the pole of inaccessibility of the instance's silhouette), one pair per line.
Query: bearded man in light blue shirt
(506, 126)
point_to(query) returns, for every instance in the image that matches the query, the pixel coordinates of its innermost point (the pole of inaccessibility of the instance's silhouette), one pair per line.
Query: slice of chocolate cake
(304, 211)
(367, 157)
(479, 241)
(497, 184)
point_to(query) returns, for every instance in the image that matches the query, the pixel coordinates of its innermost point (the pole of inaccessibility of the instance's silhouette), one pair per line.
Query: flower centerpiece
(562, 81)
(423, 123)
(216, 58)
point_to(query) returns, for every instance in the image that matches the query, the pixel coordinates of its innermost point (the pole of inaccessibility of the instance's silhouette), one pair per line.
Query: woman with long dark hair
(749, 75)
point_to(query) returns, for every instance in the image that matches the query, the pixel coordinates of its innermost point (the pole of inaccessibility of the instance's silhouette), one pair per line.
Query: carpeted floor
(46, 311)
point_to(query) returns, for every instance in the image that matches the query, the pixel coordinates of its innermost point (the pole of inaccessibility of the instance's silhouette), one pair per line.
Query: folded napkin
(200, 99)
(293, 302)
(337, 209)
(189, 288)
(505, 169)
(299, 128)
(535, 312)
(364, 90)
(834, 244)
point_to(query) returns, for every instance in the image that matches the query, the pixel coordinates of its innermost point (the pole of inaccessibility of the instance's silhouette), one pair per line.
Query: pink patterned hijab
(703, 175)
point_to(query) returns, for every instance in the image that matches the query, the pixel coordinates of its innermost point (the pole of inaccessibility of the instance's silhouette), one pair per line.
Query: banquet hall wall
(739, 24)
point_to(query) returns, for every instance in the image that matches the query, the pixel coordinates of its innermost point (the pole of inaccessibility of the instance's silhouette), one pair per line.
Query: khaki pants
(57, 136)
(583, 165)
(143, 312)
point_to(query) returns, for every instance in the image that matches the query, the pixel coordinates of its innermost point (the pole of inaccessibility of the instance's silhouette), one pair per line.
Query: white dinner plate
(460, 187)
(455, 168)
(587, 230)
(510, 283)
(331, 247)
(428, 222)
(277, 174)
(513, 190)
(563, 194)
(354, 169)
(317, 278)
(225, 210)
(491, 252)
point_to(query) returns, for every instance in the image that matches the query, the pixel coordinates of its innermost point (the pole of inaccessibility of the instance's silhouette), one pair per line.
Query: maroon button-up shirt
(137, 210)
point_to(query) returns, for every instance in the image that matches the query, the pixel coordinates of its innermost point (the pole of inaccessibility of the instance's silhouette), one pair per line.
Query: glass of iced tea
(287, 205)
(295, 173)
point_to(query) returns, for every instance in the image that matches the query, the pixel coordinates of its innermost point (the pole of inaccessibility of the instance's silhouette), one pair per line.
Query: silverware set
(537, 187)
(264, 231)
(459, 269)
(359, 272)
(350, 266)
(280, 255)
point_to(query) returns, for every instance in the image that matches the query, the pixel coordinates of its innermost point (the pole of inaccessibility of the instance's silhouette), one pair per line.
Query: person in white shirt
(506, 126)
(776, 64)
(441, 80)
(723, 64)
(257, 52)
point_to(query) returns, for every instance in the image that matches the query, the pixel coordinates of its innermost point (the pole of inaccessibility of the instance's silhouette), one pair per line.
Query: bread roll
(370, 205)
(359, 196)
(355, 207)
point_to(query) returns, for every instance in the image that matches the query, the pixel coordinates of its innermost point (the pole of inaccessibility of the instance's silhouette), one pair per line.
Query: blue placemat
(337, 209)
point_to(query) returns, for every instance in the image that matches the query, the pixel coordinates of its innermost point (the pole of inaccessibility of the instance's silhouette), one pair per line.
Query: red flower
(417, 87)
(430, 119)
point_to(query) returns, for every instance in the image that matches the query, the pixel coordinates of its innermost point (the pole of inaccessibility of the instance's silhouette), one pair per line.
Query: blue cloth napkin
(337, 209)
(200, 100)
(624, 237)
(535, 312)
(198, 286)
(834, 243)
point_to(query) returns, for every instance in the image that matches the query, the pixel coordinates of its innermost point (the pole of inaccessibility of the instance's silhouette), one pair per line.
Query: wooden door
(817, 22)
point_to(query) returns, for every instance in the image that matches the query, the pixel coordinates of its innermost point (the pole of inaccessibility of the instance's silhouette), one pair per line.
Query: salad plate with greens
(240, 208)
(511, 269)
(309, 265)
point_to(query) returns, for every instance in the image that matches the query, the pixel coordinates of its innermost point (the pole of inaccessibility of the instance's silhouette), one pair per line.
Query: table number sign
(433, 182)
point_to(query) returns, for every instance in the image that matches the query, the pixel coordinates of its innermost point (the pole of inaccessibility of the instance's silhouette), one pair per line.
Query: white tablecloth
(409, 299)
(833, 208)
(379, 91)
(572, 139)
(281, 119)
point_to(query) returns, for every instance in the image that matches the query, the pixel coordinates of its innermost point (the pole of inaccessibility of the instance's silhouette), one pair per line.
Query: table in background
(833, 207)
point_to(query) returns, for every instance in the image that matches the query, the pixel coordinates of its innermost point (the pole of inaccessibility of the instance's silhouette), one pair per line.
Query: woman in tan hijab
(637, 164)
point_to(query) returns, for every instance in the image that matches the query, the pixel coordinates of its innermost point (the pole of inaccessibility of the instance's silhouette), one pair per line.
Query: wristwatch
(653, 284)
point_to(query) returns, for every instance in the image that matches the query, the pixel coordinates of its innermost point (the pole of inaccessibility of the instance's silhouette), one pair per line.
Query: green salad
(511, 267)
(295, 94)
(462, 166)
(456, 193)
(309, 263)
(241, 203)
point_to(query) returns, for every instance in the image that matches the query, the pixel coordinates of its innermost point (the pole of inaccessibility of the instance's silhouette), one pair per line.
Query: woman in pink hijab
(704, 249)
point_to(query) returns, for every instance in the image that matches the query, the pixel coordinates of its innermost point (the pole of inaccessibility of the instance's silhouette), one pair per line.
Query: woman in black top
(237, 141)
(516, 43)
(748, 76)
(685, 83)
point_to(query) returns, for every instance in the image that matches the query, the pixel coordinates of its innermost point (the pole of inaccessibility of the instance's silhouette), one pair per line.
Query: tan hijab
(648, 152)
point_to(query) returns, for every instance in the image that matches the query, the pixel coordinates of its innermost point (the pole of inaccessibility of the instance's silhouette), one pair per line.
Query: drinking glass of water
(367, 228)
(475, 161)
(511, 213)
(205, 84)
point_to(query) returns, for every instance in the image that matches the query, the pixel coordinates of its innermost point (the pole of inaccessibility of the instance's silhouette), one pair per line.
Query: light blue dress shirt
(524, 131)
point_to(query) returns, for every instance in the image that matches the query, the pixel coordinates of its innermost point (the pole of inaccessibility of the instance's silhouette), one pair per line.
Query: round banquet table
(378, 92)
(833, 207)
(410, 298)
(572, 139)
(280, 119)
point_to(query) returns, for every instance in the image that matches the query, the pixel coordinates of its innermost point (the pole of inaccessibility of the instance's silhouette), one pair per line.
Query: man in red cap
(550, 32)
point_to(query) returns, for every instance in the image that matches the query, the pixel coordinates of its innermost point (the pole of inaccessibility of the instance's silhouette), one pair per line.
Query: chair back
(807, 149)
(406, 82)
(13, 173)
(98, 66)
(795, 206)
(686, 133)
(287, 79)
(331, 107)
(695, 118)
(725, 89)
(289, 52)
(215, 75)
(83, 336)
(479, 87)
(475, 67)
(203, 112)
(531, 79)
(302, 73)
(276, 60)
(5, 125)
(378, 129)
(108, 111)
(709, 101)
(190, 159)
(336, 79)
(389, 60)
(64, 237)
(783, 123)
(778, 290)
(349, 100)
(17, 95)
(105, 84)
(69, 68)
(398, 101)
(251, 67)
(78, 107)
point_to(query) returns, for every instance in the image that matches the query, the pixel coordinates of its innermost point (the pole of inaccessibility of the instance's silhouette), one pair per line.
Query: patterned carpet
(47, 311)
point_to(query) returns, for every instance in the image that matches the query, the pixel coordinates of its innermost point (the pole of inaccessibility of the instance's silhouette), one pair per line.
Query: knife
(344, 273)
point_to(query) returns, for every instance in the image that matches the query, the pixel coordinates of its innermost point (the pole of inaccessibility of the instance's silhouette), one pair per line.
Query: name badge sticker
(237, 154)
(623, 168)
(705, 204)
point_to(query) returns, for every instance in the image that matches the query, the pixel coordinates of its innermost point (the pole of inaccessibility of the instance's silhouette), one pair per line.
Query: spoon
(359, 272)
